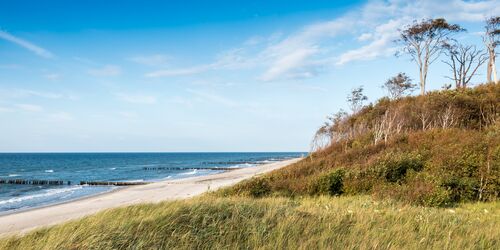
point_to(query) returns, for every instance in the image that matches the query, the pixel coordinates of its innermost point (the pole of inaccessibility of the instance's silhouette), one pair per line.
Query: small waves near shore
(72, 168)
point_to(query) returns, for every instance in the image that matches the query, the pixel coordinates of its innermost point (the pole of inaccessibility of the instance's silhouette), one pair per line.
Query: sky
(200, 76)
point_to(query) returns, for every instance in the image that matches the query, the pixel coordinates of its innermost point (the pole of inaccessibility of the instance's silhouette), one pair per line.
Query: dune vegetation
(434, 150)
(212, 222)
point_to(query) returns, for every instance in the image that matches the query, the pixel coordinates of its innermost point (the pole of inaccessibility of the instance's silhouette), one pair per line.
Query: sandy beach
(25, 221)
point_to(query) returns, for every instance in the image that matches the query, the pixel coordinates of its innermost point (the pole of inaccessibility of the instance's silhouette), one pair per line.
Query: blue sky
(199, 75)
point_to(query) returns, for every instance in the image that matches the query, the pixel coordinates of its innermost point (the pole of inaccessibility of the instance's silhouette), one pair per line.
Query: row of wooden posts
(99, 183)
(59, 182)
(167, 168)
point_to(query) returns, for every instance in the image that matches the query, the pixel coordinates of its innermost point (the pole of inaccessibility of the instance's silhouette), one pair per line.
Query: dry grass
(208, 222)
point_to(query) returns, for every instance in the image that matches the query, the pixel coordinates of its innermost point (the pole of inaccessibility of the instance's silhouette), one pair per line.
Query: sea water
(128, 167)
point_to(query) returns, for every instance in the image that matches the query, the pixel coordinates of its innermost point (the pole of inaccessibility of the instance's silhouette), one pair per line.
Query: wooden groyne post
(34, 182)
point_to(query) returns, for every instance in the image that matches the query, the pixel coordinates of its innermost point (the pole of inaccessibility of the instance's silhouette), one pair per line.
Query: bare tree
(423, 42)
(356, 99)
(387, 125)
(491, 39)
(399, 85)
(447, 118)
(464, 60)
(334, 130)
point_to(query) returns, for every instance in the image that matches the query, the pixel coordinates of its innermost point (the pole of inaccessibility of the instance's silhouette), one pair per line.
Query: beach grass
(211, 221)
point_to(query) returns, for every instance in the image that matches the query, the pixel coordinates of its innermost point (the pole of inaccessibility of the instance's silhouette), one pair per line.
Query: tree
(423, 42)
(491, 39)
(356, 99)
(399, 85)
(464, 60)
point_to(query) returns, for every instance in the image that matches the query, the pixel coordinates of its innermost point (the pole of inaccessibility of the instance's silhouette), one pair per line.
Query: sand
(25, 221)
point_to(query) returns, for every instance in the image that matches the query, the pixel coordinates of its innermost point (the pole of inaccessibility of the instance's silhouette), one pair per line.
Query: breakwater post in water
(34, 182)
(180, 169)
(112, 183)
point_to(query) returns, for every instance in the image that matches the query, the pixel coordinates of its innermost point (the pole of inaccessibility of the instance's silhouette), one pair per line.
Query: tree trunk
(422, 81)
(494, 69)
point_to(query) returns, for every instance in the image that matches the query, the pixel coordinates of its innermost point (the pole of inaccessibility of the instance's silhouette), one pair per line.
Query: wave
(244, 165)
(138, 180)
(49, 171)
(112, 168)
(47, 193)
(14, 175)
(190, 173)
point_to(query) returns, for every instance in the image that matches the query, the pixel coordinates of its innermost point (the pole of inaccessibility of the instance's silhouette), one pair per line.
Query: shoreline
(51, 214)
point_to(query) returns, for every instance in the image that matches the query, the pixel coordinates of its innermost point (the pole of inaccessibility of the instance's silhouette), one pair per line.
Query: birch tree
(491, 39)
(423, 41)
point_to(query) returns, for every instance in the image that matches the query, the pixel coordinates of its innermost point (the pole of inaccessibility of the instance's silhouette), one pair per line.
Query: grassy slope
(431, 167)
(275, 223)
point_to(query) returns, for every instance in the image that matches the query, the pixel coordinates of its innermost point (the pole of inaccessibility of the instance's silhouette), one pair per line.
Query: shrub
(394, 167)
(329, 184)
(259, 187)
(461, 188)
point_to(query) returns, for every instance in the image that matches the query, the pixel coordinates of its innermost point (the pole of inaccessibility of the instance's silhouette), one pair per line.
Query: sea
(123, 167)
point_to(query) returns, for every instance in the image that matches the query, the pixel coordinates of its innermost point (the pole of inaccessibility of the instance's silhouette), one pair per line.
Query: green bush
(461, 189)
(438, 198)
(394, 167)
(259, 187)
(329, 184)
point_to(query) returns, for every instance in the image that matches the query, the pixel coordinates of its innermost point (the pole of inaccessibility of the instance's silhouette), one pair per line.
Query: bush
(461, 189)
(259, 187)
(394, 167)
(329, 184)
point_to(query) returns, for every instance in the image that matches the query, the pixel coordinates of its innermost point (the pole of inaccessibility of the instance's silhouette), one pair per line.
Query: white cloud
(151, 60)
(107, 70)
(25, 44)
(384, 29)
(29, 107)
(290, 65)
(136, 98)
(365, 36)
(305, 52)
(381, 44)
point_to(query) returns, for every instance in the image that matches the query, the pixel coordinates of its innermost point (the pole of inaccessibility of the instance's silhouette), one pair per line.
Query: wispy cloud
(229, 59)
(29, 107)
(136, 98)
(26, 44)
(310, 49)
(107, 70)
